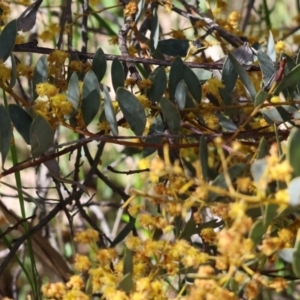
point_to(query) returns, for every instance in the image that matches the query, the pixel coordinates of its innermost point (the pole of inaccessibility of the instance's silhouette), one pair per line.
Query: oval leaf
(286, 254)
(90, 97)
(21, 120)
(173, 47)
(171, 115)
(154, 37)
(73, 90)
(176, 74)
(271, 51)
(266, 65)
(7, 39)
(293, 151)
(193, 83)
(263, 148)
(229, 75)
(109, 112)
(99, 64)
(41, 136)
(247, 82)
(180, 94)
(90, 106)
(289, 80)
(133, 111)
(294, 192)
(159, 84)
(258, 169)
(261, 97)
(257, 231)
(5, 132)
(90, 83)
(117, 74)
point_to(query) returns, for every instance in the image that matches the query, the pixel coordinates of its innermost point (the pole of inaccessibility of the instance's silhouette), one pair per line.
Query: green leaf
(41, 136)
(293, 151)
(226, 98)
(193, 83)
(117, 74)
(173, 47)
(260, 98)
(21, 120)
(296, 258)
(203, 152)
(159, 84)
(271, 51)
(141, 5)
(246, 80)
(263, 148)
(109, 112)
(157, 127)
(257, 231)
(99, 64)
(176, 74)
(258, 169)
(154, 36)
(73, 94)
(171, 115)
(7, 39)
(270, 213)
(128, 262)
(189, 229)
(126, 283)
(40, 74)
(229, 76)
(180, 94)
(294, 191)
(298, 58)
(286, 254)
(289, 80)
(266, 65)
(276, 114)
(133, 110)
(90, 106)
(202, 74)
(124, 232)
(90, 97)
(5, 132)
(226, 123)
(233, 172)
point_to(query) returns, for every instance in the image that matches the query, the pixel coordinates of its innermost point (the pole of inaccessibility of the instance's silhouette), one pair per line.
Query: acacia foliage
(215, 213)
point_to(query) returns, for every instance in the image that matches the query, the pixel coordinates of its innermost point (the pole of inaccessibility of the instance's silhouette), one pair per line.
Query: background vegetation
(150, 150)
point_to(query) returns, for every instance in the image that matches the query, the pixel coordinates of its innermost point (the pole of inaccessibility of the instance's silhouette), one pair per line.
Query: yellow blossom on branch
(130, 8)
(46, 89)
(86, 237)
(82, 263)
(49, 33)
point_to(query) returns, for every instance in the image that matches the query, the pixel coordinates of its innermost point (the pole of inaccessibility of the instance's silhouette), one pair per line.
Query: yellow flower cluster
(52, 105)
(50, 32)
(130, 9)
(5, 11)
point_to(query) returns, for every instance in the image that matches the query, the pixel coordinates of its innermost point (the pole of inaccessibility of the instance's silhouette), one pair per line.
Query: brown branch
(120, 141)
(29, 47)
(127, 172)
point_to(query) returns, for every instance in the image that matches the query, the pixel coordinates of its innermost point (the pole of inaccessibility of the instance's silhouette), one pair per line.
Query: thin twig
(160, 62)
